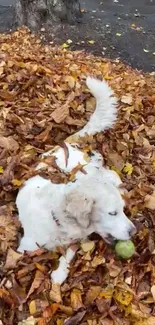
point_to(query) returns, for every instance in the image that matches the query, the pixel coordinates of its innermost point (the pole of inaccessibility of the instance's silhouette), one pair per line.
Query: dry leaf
(92, 294)
(116, 160)
(106, 321)
(9, 143)
(55, 293)
(43, 102)
(37, 306)
(148, 321)
(153, 291)
(76, 299)
(87, 246)
(128, 169)
(150, 201)
(8, 228)
(12, 259)
(124, 297)
(98, 260)
(127, 99)
(114, 270)
(76, 319)
(38, 279)
(29, 321)
(60, 114)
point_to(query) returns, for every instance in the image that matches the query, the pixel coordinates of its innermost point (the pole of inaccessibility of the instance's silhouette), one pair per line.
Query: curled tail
(106, 107)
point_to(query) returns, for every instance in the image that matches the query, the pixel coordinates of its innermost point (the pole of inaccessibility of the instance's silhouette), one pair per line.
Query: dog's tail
(106, 107)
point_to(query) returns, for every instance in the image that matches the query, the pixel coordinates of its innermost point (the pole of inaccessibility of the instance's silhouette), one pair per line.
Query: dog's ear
(78, 207)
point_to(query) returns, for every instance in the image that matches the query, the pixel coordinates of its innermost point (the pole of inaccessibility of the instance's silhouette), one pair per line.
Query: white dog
(58, 214)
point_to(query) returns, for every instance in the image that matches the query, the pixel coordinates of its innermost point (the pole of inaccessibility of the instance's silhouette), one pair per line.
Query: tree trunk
(35, 13)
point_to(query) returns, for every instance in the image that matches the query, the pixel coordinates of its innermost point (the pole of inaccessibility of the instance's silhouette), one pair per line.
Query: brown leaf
(150, 201)
(115, 160)
(38, 279)
(48, 314)
(60, 114)
(9, 143)
(8, 174)
(8, 228)
(106, 321)
(153, 291)
(12, 259)
(92, 294)
(76, 319)
(127, 99)
(66, 153)
(114, 270)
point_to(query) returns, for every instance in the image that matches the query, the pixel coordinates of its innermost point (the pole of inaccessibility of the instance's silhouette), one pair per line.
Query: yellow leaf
(123, 297)
(86, 157)
(55, 293)
(32, 307)
(71, 81)
(117, 171)
(37, 306)
(16, 182)
(64, 46)
(91, 42)
(107, 293)
(97, 260)
(88, 246)
(147, 321)
(128, 169)
(118, 34)
(60, 321)
(76, 299)
(1, 170)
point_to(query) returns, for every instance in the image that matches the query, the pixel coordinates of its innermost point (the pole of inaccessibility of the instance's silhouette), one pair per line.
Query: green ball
(125, 248)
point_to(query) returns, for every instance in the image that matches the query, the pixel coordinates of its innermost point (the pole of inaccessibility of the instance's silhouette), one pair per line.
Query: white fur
(81, 207)
(105, 113)
(60, 275)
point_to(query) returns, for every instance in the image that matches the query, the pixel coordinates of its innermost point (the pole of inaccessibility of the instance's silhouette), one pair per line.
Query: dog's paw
(60, 275)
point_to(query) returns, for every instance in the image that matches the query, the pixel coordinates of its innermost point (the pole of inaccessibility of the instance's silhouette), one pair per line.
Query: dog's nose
(132, 231)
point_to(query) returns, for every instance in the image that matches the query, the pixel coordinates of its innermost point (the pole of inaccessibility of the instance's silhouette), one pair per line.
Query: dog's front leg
(60, 275)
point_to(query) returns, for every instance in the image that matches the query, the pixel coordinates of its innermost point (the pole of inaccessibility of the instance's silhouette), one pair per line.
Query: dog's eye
(113, 213)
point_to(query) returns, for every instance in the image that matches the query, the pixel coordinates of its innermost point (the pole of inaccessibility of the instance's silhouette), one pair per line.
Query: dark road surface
(119, 28)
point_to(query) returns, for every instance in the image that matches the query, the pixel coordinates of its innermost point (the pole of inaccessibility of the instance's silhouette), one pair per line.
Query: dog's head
(98, 207)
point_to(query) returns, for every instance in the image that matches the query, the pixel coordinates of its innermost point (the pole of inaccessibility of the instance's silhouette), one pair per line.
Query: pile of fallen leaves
(43, 100)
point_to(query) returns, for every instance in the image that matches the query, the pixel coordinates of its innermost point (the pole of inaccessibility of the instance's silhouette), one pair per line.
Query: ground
(120, 28)
(43, 99)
